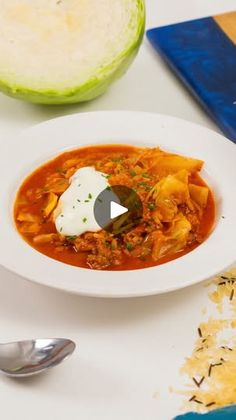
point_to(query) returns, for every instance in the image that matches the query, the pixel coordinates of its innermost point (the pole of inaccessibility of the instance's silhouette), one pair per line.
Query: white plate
(19, 156)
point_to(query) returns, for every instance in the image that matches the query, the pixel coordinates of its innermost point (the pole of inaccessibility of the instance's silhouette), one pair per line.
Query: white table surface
(120, 371)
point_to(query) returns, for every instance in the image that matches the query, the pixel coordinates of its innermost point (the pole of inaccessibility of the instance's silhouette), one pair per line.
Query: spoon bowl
(30, 357)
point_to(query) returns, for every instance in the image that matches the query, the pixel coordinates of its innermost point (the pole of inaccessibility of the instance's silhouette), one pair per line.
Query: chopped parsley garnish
(99, 199)
(90, 196)
(133, 173)
(62, 215)
(129, 246)
(151, 206)
(61, 229)
(117, 160)
(79, 185)
(142, 184)
(108, 188)
(79, 201)
(71, 238)
(146, 175)
(145, 186)
(85, 219)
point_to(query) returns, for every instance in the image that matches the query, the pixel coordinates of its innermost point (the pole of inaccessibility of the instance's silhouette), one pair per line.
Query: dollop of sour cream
(74, 214)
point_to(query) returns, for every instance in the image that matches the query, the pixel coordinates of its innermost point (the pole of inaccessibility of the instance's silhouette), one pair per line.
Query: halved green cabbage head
(66, 51)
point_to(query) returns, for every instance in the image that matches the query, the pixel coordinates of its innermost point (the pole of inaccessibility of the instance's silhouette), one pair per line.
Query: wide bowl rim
(185, 270)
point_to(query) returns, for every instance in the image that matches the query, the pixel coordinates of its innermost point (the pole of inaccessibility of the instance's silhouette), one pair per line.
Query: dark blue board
(228, 413)
(205, 59)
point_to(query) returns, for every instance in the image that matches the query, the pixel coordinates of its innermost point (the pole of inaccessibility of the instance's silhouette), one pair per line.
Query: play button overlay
(118, 209)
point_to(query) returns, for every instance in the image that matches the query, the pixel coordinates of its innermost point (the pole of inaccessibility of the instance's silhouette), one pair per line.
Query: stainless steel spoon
(26, 358)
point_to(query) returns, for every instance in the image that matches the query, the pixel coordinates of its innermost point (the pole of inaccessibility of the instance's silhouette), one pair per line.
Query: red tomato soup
(178, 208)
